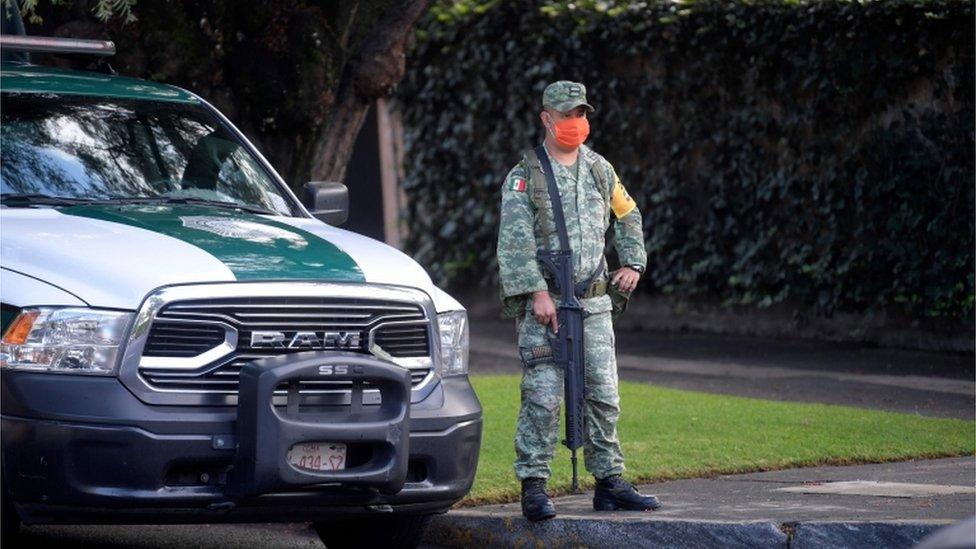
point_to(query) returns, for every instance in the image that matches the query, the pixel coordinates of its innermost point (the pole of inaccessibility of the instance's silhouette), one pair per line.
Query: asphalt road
(243, 536)
(196, 536)
(926, 383)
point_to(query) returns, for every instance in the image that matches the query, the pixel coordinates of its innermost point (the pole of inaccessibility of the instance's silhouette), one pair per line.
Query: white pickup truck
(184, 342)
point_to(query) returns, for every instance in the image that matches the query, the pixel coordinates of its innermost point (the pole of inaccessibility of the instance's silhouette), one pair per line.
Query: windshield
(94, 148)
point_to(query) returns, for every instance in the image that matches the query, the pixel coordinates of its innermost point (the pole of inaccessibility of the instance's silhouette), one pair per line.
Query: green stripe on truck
(251, 246)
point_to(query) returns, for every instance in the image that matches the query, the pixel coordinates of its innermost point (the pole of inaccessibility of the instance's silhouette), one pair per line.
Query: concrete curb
(808, 535)
(474, 530)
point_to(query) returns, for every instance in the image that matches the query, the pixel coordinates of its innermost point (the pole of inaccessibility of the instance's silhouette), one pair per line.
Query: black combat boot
(614, 493)
(536, 504)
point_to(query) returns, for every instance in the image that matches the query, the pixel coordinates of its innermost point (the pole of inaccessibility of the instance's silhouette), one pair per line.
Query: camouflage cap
(565, 96)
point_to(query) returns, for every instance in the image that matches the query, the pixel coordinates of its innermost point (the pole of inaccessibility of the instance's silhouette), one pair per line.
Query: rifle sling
(554, 198)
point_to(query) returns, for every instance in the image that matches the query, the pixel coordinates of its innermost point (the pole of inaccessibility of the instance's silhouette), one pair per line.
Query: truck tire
(393, 532)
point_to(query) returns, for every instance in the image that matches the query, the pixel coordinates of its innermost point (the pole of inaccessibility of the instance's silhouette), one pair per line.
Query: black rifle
(567, 345)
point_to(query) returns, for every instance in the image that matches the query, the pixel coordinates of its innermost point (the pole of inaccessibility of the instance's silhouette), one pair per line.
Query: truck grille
(403, 341)
(179, 339)
(267, 327)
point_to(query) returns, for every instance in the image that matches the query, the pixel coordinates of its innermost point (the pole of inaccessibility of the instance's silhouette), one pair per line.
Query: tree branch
(372, 73)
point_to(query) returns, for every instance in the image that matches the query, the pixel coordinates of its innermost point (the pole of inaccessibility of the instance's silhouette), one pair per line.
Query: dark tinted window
(100, 148)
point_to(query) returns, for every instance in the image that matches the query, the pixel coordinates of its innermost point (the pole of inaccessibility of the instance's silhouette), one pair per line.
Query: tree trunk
(372, 73)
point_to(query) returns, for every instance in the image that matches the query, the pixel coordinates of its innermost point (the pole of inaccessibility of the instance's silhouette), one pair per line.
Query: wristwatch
(638, 268)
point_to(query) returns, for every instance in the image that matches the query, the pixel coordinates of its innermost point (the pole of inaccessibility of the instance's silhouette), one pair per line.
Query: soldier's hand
(625, 279)
(544, 310)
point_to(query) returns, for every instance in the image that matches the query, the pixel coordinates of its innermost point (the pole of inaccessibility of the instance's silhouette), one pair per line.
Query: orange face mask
(571, 133)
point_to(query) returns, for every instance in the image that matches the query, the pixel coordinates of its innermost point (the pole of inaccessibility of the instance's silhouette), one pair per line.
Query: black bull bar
(379, 434)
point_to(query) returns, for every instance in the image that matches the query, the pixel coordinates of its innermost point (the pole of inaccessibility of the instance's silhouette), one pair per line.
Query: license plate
(318, 456)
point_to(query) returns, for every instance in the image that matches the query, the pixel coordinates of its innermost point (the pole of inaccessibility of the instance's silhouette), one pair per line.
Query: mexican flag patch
(518, 185)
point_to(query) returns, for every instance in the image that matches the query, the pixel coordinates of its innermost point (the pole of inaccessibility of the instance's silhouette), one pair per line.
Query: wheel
(399, 532)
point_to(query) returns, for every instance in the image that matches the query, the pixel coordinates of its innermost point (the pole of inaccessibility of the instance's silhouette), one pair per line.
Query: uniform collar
(586, 156)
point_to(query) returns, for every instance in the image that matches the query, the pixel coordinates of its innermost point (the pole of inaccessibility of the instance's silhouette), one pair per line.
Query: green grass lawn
(667, 433)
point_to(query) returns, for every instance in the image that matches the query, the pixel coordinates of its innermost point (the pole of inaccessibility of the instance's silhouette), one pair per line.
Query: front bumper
(84, 449)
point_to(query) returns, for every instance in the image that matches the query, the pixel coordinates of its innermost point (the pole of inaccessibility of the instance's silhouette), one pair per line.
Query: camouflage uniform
(527, 225)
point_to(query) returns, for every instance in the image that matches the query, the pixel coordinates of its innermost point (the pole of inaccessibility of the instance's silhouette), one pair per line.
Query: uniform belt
(596, 289)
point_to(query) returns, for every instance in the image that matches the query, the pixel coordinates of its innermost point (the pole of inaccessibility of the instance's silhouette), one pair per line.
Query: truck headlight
(454, 342)
(69, 340)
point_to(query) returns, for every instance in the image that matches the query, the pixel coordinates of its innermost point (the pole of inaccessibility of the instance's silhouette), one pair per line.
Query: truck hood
(112, 256)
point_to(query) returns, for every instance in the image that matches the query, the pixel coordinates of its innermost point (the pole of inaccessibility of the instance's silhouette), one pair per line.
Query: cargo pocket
(545, 226)
(619, 300)
(597, 209)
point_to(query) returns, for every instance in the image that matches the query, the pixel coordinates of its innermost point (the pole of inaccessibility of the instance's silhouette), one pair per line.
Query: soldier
(590, 191)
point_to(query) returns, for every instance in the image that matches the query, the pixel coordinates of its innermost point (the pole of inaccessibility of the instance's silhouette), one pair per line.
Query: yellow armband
(620, 202)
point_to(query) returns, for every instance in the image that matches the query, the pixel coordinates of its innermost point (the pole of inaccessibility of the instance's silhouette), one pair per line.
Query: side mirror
(327, 201)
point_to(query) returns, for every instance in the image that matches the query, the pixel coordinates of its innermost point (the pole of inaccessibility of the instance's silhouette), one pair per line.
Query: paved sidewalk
(927, 383)
(879, 505)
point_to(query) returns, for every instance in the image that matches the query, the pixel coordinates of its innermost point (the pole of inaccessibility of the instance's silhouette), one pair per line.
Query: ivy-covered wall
(818, 153)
